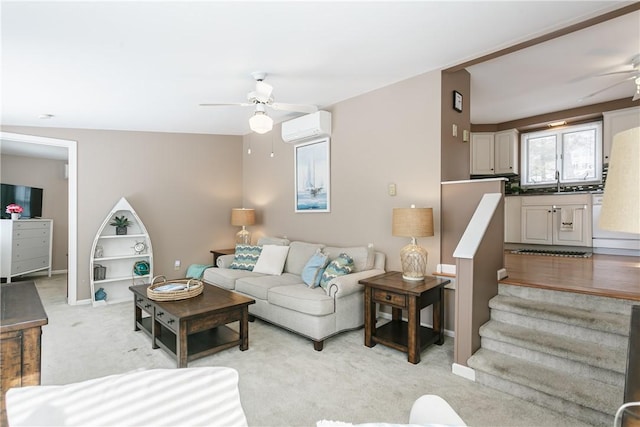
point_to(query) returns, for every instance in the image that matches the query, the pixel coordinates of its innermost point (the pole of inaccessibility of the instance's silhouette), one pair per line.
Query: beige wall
(455, 152)
(182, 186)
(391, 135)
(48, 175)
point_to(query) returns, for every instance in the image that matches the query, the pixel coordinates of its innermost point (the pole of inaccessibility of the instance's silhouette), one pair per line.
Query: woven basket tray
(194, 288)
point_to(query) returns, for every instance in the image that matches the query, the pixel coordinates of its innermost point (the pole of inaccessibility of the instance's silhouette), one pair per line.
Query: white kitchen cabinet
(506, 152)
(482, 154)
(114, 256)
(512, 219)
(556, 220)
(494, 153)
(615, 122)
(26, 246)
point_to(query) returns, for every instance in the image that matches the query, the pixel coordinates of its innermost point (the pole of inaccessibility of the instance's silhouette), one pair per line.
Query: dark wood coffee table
(195, 327)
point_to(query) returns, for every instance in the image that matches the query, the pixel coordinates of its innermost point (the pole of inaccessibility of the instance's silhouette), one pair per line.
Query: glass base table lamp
(243, 217)
(413, 222)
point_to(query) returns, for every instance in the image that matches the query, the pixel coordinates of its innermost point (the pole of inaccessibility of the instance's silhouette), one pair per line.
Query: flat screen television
(30, 198)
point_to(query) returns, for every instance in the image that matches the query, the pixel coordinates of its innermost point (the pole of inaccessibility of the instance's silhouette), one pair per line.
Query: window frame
(559, 151)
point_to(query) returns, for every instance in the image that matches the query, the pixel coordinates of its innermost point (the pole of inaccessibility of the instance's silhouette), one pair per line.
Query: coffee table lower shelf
(199, 345)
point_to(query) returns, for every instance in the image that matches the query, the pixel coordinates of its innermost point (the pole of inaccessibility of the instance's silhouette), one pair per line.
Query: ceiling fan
(634, 75)
(261, 98)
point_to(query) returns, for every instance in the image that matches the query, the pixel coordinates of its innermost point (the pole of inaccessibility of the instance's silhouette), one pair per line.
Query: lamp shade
(412, 222)
(242, 217)
(260, 122)
(621, 200)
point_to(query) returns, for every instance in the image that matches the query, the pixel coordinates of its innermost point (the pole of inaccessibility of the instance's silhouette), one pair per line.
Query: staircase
(560, 350)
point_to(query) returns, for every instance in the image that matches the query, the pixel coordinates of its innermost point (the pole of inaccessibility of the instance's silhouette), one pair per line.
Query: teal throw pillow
(312, 271)
(338, 267)
(245, 257)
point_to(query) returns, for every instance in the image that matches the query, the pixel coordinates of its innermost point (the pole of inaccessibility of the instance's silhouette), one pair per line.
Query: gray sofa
(285, 300)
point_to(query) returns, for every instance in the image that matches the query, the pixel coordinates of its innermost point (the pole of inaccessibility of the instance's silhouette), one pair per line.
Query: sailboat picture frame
(312, 176)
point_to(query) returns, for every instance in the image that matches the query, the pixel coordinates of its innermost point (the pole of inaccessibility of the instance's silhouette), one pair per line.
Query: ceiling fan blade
(616, 72)
(298, 108)
(636, 96)
(236, 104)
(607, 88)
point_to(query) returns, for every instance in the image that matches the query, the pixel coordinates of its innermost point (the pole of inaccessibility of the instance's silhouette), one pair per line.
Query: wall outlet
(392, 190)
(454, 131)
(176, 264)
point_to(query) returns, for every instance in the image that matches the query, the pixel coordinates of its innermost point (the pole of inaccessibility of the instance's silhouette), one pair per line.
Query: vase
(15, 215)
(120, 231)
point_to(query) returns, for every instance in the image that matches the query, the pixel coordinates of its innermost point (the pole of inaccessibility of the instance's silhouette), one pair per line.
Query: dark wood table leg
(438, 316)
(396, 314)
(244, 329)
(137, 314)
(413, 340)
(369, 317)
(155, 329)
(182, 349)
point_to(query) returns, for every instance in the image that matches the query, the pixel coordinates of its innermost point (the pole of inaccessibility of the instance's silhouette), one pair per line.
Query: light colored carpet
(283, 380)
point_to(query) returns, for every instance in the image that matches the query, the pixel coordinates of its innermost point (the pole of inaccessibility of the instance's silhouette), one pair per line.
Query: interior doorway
(71, 146)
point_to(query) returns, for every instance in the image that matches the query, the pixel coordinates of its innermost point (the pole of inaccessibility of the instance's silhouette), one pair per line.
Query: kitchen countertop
(553, 193)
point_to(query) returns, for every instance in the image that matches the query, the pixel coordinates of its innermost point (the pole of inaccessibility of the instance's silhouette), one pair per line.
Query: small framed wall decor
(457, 101)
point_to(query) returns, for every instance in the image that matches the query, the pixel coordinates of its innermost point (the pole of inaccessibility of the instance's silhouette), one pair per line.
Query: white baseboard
(463, 371)
(83, 302)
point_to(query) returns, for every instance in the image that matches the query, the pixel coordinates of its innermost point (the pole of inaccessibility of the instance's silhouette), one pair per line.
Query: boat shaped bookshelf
(114, 256)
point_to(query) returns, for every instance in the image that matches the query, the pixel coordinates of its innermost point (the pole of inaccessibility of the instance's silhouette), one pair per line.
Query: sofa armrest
(342, 286)
(224, 261)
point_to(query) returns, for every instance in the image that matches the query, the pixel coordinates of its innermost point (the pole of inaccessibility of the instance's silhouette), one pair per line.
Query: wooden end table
(194, 327)
(392, 290)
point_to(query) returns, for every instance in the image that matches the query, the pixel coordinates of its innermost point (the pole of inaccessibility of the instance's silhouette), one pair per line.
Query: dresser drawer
(166, 319)
(390, 298)
(28, 233)
(30, 265)
(31, 224)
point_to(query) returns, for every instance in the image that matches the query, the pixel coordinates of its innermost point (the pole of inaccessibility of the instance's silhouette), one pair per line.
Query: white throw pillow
(271, 259)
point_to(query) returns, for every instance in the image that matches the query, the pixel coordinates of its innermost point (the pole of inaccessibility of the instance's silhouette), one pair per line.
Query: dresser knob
(388, 297)
(147, 305)
(161, 314)
(171, 321)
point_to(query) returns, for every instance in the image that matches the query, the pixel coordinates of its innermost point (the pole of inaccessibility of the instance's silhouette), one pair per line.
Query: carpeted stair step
(568, 299)
(606, 328)
(585, 399)
(570, 355)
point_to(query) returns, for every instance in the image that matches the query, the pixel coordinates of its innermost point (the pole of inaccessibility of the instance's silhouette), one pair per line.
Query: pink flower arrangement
(13, 208)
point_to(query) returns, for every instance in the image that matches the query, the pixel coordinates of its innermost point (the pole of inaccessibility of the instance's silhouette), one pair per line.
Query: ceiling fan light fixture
(260, 122)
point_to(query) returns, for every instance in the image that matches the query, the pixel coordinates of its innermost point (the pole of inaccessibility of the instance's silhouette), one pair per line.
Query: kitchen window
(571, 155)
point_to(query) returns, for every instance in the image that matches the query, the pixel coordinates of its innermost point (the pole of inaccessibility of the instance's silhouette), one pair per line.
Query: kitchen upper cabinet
(615, 122)
(494, 153)
(482, 154)
(556, 220)
(506, 152)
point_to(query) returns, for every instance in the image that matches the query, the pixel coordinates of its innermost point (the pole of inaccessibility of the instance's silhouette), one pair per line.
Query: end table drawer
(144, 304)
(390, 298)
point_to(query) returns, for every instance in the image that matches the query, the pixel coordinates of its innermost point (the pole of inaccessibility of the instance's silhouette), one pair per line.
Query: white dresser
(26, 246)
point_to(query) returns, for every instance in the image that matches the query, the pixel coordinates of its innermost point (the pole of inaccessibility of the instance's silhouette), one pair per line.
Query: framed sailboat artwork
(312, 169)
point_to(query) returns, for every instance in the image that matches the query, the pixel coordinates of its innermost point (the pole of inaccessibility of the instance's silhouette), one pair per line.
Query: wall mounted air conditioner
(314, 125)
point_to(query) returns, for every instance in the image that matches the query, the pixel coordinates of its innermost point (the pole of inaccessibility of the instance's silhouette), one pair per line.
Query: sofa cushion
(363, 256)
(245, 257)
(338, 267)
(299, 254)
(302, 299)
(312, 271)
(258, 287)
(271, 260)
(226, 277)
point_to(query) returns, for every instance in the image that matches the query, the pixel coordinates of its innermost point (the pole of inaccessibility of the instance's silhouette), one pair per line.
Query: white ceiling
(147, 65)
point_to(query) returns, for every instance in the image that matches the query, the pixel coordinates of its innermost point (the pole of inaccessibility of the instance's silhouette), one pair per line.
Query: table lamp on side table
(243, 217)
(413, 222)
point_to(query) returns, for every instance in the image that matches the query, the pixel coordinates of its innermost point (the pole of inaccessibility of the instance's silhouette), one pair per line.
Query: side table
(407, 336)
(219, 252)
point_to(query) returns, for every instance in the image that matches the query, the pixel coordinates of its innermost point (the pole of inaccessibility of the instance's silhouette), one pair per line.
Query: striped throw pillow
(245, 257)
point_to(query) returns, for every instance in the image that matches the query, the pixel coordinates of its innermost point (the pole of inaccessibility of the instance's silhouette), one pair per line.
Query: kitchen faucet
(558, 180)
